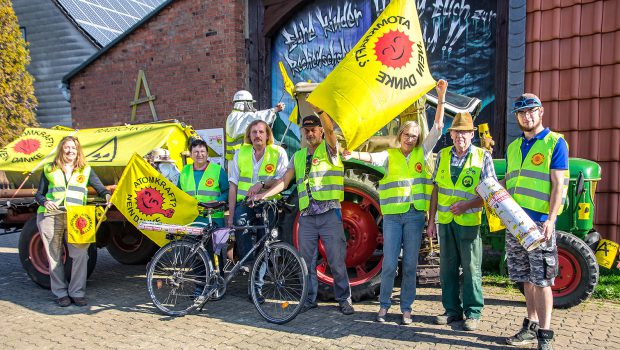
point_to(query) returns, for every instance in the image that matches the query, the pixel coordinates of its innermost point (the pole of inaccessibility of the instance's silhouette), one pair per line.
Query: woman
(405, 193)
(65, 183)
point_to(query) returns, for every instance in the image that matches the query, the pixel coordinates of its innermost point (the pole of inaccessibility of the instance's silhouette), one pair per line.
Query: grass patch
(608, 286)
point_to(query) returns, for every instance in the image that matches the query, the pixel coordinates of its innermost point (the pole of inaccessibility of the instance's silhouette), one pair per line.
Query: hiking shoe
(63, 302)
(308, 305)
(527, 334)
(471, 324)
(80, 301)
(346, 308)
(545, 339)
(446, 319)
(381, 316)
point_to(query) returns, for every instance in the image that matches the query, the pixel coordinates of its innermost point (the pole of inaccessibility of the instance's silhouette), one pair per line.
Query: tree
(17, 100)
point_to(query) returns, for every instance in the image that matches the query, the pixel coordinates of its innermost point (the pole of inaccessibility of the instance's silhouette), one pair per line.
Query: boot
(545, 339)
(527, 334)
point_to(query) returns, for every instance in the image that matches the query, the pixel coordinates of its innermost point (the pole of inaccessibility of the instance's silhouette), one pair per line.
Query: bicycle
(182, 277)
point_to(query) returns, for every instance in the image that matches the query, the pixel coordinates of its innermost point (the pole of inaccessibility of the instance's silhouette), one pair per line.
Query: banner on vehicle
(144, 194)
(111, 146)
(383, 74)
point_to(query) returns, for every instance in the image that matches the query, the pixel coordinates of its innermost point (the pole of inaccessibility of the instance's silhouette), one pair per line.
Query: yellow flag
(293, 117)
(111, 146)
(288, 83)
(81, 224)
(383, 74)
(495, 223)
(144, 194)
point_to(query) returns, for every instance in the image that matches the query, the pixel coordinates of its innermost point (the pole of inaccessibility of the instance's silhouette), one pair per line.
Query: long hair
(248, 139)
(59, 161)
(408, 125)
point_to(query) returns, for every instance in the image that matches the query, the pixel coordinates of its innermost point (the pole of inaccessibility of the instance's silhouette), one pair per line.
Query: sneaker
(346, 308)
(545, 339)
(407, 319)
(446, 319)
(381, 316)
(471, 324)
(63, 302)
(527, 334)
(308, 305)
(80, 301)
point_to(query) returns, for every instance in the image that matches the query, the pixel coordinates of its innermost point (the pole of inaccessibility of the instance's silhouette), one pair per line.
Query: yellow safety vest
(464, 189)
(71, 192)
(267, 170)
(326, 180)
(405, 181)
(528, 180)
(232, 145)
(208, 187)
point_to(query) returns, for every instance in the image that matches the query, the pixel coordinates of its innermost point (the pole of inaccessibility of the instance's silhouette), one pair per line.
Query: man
(458, 171)
(537, 178)
(242, 115)
(320, 186)
(268, 164)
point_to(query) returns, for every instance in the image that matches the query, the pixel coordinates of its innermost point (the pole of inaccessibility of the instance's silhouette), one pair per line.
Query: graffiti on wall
(459, 37)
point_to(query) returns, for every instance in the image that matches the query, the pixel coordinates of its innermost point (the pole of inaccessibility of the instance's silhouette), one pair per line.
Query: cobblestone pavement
(120, 316)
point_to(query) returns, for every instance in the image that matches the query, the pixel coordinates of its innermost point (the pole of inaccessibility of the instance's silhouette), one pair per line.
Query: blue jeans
(401, 230)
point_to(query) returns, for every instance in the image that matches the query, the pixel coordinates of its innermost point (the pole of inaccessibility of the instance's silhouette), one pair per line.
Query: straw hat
(160, 155)
(462, 122)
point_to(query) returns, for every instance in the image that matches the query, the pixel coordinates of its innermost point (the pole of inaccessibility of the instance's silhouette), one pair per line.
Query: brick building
(196, 54)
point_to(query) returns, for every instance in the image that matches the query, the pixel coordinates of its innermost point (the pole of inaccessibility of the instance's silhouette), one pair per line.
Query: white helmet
(243, 95)
(161, 155)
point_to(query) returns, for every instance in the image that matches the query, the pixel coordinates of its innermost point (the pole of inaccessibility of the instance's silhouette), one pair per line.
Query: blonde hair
(408, 125)
(80, 160)
(248, 139)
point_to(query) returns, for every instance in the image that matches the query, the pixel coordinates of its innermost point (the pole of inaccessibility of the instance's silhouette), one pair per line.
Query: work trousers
(53, 229)
(327, 227)
(461, 246)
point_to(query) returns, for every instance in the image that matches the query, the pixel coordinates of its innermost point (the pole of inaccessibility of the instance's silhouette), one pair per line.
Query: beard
(531, 128)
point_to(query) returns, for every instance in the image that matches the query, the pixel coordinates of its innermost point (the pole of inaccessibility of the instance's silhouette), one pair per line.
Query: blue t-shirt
(559, 161)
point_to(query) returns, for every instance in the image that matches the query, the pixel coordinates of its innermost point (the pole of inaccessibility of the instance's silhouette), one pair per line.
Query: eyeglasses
(523, 113)
(409, 136)
(534, 102)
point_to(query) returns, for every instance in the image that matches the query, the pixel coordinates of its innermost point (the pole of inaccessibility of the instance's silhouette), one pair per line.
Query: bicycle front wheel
(279, 283)
(177, 276)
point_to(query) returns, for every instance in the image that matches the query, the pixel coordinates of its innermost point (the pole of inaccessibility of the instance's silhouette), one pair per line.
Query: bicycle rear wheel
(177, 277)
(281, 276)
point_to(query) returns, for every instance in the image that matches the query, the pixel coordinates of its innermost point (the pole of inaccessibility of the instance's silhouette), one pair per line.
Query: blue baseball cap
(526, 101)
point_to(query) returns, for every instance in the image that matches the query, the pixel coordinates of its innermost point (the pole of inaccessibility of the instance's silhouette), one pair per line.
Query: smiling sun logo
(209, 182)
(538, 159)
(394, 49)
(418, 167)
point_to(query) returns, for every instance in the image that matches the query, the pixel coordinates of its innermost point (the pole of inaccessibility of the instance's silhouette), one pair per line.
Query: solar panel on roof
(104, 20)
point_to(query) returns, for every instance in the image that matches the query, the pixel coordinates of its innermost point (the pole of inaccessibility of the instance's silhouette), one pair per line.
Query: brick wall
(193, 76)
(573, 64)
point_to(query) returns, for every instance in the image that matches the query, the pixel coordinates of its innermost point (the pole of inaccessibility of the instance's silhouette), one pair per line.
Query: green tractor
(362, 218)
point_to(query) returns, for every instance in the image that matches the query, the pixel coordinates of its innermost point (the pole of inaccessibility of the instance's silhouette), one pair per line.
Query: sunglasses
(528, 102)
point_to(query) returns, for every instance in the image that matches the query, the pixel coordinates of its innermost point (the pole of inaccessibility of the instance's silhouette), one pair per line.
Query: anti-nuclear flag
(290, 88)
(81, 224)
(143, 193)
(383, 74)
(110, 146)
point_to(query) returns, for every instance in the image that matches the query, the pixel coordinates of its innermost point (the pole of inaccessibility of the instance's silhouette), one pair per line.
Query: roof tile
(611, 12)
(550, 55)
(611, 44)
(532, 57)
(533, 5)
(591, 18)
(611, 177)
(570, 21)
(550, 4)
(588, 145)
(607, 208)
(569, 52)
(549, 85)
(569, 84)
(609, 145)
(550, 24)
(589, 82)
(567, 113)
(532, 27)
(590, 51)
(610, 81)
(591, 109)
(610, 118)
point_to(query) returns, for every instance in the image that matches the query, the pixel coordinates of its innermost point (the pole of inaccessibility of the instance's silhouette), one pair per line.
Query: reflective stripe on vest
(405, 182)
(528, 180)
(464, 189)
(232, 145)
(208, 187)
(326, 180)
(266, 171)
(73, 192)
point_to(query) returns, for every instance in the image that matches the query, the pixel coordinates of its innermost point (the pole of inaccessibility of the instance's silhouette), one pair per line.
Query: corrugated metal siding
(573, 63)
(56, 47)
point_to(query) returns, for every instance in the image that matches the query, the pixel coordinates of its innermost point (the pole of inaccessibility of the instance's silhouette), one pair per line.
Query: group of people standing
(413, 193)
